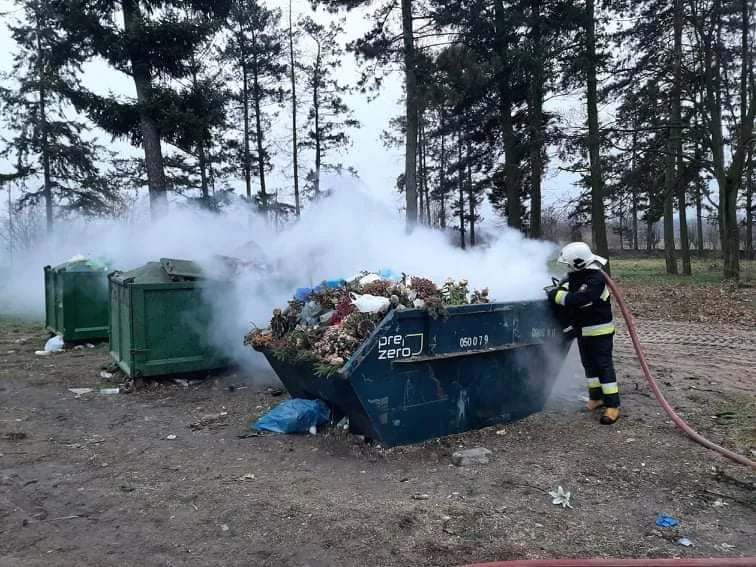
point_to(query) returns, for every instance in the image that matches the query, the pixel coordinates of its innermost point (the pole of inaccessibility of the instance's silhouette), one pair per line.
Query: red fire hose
(657, 391)
(705, 562)
(713, 562)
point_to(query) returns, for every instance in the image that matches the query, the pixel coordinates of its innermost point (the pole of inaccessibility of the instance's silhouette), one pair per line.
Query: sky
(377, 166)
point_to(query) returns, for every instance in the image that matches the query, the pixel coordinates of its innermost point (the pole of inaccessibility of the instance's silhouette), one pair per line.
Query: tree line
(666, 87)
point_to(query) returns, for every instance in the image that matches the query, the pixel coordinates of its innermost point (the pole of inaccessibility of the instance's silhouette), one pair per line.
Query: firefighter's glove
(570, 333)
(557, 295)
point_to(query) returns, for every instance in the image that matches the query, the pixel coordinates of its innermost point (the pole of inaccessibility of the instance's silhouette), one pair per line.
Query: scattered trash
(275, 392)
(477, 456)
(501, 432)
(209, 419)
(726, 546)
(80, 391)
(719, 503)
(367, 303)
(560, 497)
(665, 521)
(420, 497)
(224, 527)
(170, 437)
(110, 391)
(55, 344)
(42, 352)
(181, 382)
(295, 416)
(343, 423)
(79, 347)
(90, 345)
(15, 436)
(248, 476)
(685, 542)
(313, 430)
(105, 374)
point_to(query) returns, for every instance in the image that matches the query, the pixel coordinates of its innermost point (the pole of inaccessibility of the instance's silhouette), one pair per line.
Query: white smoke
(336, 237)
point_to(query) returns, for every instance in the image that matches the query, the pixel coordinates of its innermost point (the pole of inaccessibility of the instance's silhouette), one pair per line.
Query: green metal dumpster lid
(150, 273)
(169, 270)
(83, 264)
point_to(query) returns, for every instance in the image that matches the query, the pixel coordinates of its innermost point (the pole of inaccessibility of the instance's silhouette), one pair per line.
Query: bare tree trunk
(749, 206)
(43, 128)
(511, 149)
(442, 178)
(411, 103)
(634, 197)
(461, 193)
(202, 155)
(536, 121)
(598, 217)
(471, 195)
(424, 166)
(420, 193)
(649, 235)
(256, 96)
(294, 143)
(675, 182)
(699, 222)
(316, 111)
(245, 111)
(140, 69)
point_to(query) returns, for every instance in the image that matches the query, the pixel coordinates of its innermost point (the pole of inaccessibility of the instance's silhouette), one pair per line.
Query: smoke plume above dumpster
(336, 237)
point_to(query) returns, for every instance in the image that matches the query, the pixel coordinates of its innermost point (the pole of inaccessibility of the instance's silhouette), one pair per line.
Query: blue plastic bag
(389, 274)
(302, 293)
(295, 416)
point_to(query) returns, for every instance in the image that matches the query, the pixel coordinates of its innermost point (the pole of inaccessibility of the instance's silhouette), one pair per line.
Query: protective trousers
(596, 356)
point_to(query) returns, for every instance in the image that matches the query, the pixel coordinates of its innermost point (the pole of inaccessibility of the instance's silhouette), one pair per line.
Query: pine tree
(329, 117)
(154, 45)
(48, 141)
(257, 53)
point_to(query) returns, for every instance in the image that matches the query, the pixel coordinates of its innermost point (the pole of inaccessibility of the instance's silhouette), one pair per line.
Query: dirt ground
(100, 480)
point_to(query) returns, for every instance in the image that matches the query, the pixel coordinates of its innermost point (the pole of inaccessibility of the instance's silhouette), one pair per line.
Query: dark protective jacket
(588, 298)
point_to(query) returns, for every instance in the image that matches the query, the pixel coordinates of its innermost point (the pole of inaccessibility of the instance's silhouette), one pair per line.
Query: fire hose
(657, 390)
(700, 562)
(685, 562)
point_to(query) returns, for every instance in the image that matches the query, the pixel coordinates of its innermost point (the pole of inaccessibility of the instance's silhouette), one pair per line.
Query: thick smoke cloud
(336, 237)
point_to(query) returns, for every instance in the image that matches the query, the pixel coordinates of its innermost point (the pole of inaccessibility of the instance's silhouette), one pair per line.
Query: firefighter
(585, 295)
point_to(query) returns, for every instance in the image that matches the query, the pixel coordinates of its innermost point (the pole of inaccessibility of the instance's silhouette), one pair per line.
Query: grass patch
(653, 271)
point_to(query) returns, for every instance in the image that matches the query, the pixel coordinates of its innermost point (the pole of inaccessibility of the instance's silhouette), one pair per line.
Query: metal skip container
(76, 300)
(160, 320)
(417, 378)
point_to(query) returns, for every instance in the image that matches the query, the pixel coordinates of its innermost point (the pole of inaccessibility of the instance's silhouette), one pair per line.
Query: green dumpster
(160, 320)
(76, 300)
(417, 378)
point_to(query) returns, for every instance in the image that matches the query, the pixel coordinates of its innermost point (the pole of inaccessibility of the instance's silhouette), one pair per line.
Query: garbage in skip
(423, 370)
(76, 299)
(160, 319)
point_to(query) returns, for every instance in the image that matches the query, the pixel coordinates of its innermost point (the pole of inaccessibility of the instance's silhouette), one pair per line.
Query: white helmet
(578, 256)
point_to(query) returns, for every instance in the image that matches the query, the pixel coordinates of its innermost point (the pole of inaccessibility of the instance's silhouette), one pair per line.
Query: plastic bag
(55, 344)
(370, 278)
(295, 416)
(311, 313)
(370, 303)
(302, 293)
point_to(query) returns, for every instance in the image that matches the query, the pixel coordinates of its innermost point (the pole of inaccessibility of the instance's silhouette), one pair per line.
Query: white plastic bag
(370, 303)
(55, 344)
(370, 278)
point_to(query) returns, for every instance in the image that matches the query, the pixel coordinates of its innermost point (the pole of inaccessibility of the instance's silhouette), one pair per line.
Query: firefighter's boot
(610, 416)
(593, 405)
